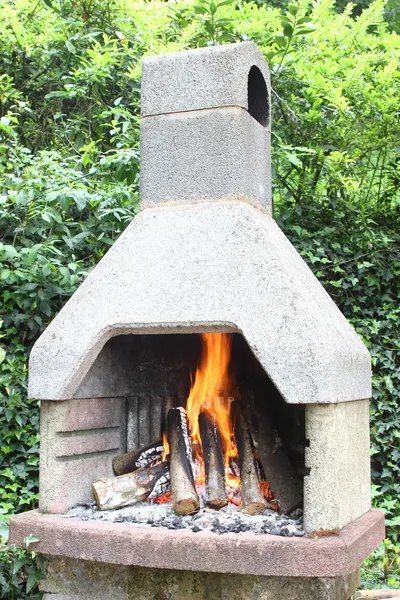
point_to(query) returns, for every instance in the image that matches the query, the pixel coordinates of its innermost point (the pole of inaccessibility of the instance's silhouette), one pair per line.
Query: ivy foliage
(69, 173)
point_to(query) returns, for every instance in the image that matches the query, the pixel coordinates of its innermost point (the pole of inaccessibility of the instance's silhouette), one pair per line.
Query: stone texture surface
(246, 554)
(205, 155)
(111, 374)
(197, 79)
(337, 490)
(134, 365)
(78, 440)
(69, 579)
(208, 267)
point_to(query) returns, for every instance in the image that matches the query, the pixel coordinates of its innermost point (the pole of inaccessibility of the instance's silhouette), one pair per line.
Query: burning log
(252, 498)
(169, 402)
(213, 461)
(278, 470)
(143, 457)
(184, 495)
(131, 488)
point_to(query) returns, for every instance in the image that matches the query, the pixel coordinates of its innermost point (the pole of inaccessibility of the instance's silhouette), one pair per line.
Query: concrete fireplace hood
(204, 253)
(210, 267)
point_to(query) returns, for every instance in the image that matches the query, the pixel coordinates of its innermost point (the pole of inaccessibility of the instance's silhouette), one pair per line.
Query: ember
(164, 499)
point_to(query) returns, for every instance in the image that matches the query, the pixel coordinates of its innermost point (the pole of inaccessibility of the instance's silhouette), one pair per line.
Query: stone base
(72, 579)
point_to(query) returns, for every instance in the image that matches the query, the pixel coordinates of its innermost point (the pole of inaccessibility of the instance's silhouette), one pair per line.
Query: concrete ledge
(205, 551)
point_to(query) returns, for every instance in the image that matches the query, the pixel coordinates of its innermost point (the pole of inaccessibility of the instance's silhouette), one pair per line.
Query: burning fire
(211, 391)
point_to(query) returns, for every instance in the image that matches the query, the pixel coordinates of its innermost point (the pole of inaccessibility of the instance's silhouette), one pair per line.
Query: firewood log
(142, 457)
(252, 498)
(280, 474)
(213, 461)
(184, 494)
(131, 488)
(169, 402)
(377, 595)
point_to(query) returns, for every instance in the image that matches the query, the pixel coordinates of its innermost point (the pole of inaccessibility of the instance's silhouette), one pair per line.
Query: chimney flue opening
(257, 93)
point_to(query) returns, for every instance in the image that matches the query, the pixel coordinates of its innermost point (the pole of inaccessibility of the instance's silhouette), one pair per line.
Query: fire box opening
(205, 426)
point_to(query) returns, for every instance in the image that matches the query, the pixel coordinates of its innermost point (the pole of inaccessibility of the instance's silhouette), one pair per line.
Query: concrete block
(205, 155)
(208, 267)
(208, 552)
(198, 79)
(78, 439)
(337, 490)
(86, 580)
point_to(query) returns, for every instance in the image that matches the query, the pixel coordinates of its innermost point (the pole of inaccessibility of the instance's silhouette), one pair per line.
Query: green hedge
(69, 133)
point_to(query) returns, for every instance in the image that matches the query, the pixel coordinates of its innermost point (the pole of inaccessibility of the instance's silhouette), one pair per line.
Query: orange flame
(210, 391)
(166, 447)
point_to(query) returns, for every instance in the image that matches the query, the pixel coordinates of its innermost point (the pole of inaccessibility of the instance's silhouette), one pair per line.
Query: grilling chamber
(203, 255)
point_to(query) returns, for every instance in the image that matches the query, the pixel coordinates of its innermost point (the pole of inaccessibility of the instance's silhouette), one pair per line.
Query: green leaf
(280, 40)
(11, 251)
(304, 30)
(33, 253)
(79, 197)
(46, 217)
(70, 46)
(31, 580)
(30, 539)
(288, 30)
(293, 159)
(4, 533)
(303, 20)
(209, 28)
(5, 273)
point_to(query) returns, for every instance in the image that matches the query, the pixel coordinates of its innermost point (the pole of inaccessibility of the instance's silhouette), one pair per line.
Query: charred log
(283, 480)
(169, 402)
(131, 488)
(213, 461)
(184, 494)
(143, 457)
(252, 498)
